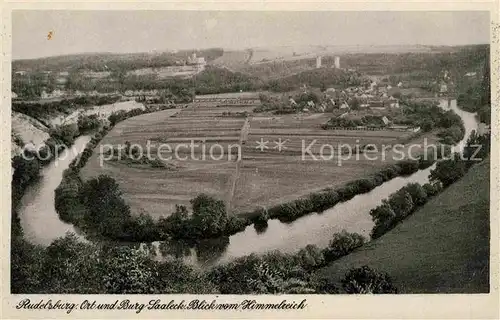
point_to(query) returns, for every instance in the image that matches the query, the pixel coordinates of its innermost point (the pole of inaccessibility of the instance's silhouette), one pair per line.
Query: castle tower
(318, 62)
(337, 62)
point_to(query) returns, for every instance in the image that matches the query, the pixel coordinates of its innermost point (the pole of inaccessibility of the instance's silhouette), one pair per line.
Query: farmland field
(260, 178)
(441, 248)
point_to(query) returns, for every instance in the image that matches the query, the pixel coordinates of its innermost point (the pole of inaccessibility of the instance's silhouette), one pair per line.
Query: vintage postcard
(239, 160)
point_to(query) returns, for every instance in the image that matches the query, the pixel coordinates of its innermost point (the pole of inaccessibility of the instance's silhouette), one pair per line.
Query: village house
(393, 102)
(376, 104)
(385, 120)
(57, 93)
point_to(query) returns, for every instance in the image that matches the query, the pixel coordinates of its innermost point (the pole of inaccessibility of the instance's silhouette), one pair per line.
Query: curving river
(39, 219)
(41, 222)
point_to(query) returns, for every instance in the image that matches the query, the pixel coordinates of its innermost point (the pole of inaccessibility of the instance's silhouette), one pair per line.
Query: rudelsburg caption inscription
(157, 304)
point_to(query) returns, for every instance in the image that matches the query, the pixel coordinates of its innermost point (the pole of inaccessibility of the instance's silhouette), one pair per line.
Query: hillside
(232, 59)
(443, 247)
(26, 130)
(104, 61)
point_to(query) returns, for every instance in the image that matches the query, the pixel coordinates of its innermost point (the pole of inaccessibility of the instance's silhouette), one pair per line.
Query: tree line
(47, 109)
(71, 266)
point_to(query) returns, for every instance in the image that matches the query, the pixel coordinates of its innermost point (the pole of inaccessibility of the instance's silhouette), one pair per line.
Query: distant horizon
(131, 32)
(241, 49)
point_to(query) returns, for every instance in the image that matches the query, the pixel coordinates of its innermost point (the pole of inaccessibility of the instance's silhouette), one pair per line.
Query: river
(41, 223)
(39, 219)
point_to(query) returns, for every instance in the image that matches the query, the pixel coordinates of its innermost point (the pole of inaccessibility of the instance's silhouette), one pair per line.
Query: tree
(311, 257)
(25, 266)
(71, 266)
(408, 166)
(127, 270)
(25, 170)
(65, 133)
(86, 123)
(402, 203)
(448, 171)
(426, 125)
(383, 214)
(432, 189)
(417, 193)
(209, 215)
(107, 211)
(365, 280)
(176, 277)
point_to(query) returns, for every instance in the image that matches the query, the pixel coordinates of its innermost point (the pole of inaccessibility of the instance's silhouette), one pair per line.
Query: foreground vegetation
(71, 266)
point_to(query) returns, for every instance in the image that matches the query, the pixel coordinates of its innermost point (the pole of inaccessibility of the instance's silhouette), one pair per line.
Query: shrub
(157, 163)
(86, 123)
(341, 244)
(432, 189)
(402, 203)
(311, 257)
(261, 217)
(417, 193)
(365, 280)
(448, 171)
(408, 167)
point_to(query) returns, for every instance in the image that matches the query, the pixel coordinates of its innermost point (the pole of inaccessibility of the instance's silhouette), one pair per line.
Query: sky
(145, 31)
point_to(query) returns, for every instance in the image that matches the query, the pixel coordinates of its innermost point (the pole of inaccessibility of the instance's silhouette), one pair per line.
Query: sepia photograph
(248, 153)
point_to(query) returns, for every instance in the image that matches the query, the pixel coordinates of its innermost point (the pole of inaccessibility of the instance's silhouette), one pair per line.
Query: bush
(86, 123)
(402, 203)
(448, 171)
(65, 134)
(262, 217)
(107, 211)
(311, 257)
(157, 163)
(432, 189)
(235, 224)
(365, 280)
(342, 244)
(417, 193)
(384, 218)
(408, 167)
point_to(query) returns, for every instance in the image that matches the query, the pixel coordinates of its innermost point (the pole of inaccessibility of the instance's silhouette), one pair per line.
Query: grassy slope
(443, 247)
